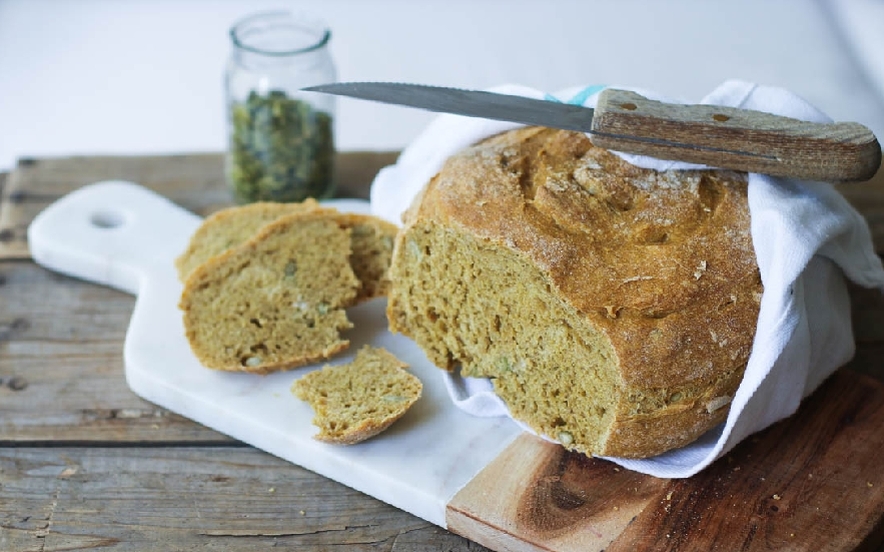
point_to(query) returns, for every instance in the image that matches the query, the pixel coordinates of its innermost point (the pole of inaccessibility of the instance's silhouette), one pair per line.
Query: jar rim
(238, 28)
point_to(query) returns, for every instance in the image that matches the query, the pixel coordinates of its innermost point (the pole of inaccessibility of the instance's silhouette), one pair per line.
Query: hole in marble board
(106, 219)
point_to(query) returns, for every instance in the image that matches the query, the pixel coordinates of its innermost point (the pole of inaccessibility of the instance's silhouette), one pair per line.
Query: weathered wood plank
(810, 483)
(229, 499)
(61, 366)
(194, 181)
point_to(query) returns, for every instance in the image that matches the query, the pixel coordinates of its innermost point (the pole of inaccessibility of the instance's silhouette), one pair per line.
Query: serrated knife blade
(471, 103)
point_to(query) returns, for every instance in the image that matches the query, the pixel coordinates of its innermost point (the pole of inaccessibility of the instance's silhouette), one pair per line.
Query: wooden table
(85, 464)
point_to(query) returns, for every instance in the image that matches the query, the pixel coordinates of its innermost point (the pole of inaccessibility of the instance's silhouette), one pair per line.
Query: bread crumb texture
(277, 300)
(372, 240)
(614, 307)
(230, 227)
(353, 402)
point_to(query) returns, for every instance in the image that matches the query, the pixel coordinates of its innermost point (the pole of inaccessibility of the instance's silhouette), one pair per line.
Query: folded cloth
(806, 239)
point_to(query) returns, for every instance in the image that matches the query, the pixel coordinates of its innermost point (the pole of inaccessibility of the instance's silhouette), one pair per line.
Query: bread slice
(230, 227)
(356, 401)
(372, 240)
(275, 302)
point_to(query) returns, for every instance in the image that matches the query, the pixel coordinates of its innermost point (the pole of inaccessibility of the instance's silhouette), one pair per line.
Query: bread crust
(660, 263)
(232, 226)
(228, 228)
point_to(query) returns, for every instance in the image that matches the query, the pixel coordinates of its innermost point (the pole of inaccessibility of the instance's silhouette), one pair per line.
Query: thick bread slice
(230, 227)
(356, 401)
(372, 240)
(275, 302)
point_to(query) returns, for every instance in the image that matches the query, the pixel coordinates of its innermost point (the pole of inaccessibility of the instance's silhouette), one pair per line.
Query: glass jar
(281, 140)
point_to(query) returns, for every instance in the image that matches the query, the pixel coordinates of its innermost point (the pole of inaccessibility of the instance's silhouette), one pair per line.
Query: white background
(145, 76)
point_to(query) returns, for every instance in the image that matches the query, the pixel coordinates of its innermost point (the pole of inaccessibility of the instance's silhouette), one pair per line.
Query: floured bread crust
(614, 307)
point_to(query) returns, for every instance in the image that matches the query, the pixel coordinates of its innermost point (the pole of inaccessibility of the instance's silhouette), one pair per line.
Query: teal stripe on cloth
(580, 97)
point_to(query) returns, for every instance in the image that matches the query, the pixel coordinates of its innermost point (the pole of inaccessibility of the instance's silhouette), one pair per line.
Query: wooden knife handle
(737, 139)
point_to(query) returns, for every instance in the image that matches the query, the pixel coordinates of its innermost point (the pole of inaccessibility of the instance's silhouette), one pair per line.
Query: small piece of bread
(275, 302)
(230, 227)
(372, 240)
(356, 401)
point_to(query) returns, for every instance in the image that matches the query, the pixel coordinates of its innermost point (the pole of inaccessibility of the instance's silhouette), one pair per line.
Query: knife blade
(717, 136)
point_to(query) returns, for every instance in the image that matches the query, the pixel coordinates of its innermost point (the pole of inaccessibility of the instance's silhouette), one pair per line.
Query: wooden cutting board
(813, 482)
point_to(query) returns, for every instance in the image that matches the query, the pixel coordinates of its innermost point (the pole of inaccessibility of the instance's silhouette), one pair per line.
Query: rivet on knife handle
(737, 139)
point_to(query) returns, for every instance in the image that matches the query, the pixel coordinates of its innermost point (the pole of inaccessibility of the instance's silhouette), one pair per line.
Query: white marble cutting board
(122, 235)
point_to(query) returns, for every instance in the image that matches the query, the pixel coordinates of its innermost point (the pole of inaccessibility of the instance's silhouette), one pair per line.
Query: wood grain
(168, 499)
(61, 366)
(813, 482)
(553, 500)
(736, 139)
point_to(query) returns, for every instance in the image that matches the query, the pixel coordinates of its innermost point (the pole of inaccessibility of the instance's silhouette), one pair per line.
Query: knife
(717, 136)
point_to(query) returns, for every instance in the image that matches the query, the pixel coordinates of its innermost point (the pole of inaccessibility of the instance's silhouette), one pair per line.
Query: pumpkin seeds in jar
(281, 149)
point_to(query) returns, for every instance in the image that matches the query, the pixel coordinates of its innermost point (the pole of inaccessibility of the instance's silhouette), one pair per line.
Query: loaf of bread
(613, 307)
(276, 301)
(371, 247)
(353, 402)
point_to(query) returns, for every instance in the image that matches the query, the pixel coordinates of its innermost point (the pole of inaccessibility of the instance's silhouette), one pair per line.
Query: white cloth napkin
(806, 238)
